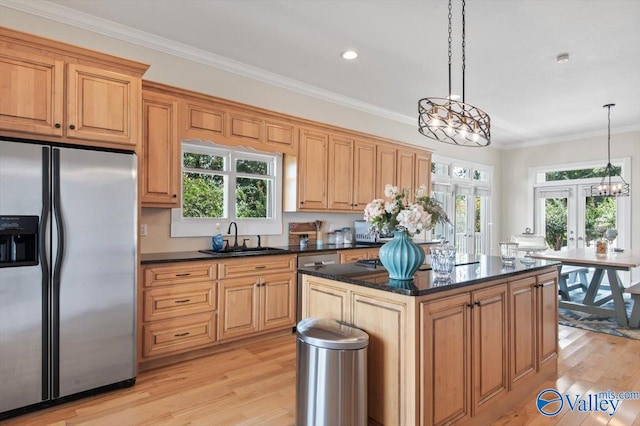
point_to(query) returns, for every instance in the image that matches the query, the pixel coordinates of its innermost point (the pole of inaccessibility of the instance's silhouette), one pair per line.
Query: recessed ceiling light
(349, 54)
(562, 58)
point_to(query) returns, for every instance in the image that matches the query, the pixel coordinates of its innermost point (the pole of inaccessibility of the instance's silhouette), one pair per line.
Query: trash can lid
(331, 334)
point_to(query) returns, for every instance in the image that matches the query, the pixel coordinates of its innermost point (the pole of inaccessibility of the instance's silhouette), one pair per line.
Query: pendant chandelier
(450, 121)
(612, 185)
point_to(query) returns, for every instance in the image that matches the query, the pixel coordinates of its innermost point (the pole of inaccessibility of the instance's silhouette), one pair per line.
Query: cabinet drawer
(179, 273)
(251, 266)
(171, 302)
(174, 336)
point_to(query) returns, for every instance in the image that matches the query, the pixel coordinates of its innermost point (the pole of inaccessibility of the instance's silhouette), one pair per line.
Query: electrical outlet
(143, 230)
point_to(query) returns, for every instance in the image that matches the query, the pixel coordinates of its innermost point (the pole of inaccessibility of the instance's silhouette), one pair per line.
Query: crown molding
(108, 28)
(575, 137)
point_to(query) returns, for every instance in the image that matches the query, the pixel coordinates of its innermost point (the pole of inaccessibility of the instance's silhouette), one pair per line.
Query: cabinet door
(547, 317)
(523, 351)
(423, 171)
(350, 256)
(406, 172)
(238, 313)
(201, 121)
(490, 348)
(385, 322)
(281, 135)
(445, 359)
(160, 151)
(313, 171)
(385, 168)
(102, 105)
(31, 93)
(364, 174)
(340, 181)
(278, 301)
(178, 335)
(179, 301)
(321, 300)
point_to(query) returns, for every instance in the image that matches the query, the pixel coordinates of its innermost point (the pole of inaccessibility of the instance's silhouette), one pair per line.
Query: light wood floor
(256, 385)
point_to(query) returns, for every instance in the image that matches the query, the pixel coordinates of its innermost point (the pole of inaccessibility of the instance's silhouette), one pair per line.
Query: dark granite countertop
(470, 270)
(186, 256)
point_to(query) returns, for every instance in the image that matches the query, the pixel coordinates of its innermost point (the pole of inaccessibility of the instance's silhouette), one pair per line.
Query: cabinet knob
(57, 125)
(301, 202)
(469, 305)
(72, 127)
(175, 195)
(477, 303)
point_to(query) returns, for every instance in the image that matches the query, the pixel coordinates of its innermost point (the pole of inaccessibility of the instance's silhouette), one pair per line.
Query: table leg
(594, 285)
(618, 301)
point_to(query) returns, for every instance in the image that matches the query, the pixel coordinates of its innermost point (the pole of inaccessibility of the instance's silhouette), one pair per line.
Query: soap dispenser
(217, 240)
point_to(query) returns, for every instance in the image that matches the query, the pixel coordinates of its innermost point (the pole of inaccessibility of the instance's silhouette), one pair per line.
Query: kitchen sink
(242, 251)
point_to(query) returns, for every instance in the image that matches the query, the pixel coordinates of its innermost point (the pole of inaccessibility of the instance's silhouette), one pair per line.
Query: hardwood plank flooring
(255, 385)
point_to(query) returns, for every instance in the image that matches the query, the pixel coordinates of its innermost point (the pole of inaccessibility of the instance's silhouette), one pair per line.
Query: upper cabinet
(57, 92)
(313, 170)
(160, 165)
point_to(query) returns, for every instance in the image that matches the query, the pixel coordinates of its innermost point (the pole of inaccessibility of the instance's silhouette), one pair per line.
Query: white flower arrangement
(401, 215)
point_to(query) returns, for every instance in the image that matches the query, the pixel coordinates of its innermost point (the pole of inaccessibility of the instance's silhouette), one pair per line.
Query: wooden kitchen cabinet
(406, 172)
(97, 103)
(312, 170)
(351, 179)
(423, 171)
(340, 173)
(179, 308)
(161, 158)
(466, 370)
(31, 93)
(386, 158)
(256, 297)
(534, 332)
(353, 255)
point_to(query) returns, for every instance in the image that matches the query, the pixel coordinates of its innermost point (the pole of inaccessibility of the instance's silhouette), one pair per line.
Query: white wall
(204, 79)
(515, 171)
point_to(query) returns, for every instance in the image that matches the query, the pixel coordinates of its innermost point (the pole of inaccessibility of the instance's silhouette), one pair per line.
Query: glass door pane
(555, 222)
(460, 221)
(595, 212)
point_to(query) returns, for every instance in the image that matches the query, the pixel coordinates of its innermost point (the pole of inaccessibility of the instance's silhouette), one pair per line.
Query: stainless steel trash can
(331, 383)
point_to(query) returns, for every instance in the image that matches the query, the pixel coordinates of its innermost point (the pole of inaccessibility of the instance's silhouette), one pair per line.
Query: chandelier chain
(609, 134)
(449, 41)
(464, 44)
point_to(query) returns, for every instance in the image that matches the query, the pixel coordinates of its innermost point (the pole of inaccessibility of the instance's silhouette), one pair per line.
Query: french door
(469, 218)
(569, 217)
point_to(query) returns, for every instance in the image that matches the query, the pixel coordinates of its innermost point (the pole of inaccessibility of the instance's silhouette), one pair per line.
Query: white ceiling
(512, 46)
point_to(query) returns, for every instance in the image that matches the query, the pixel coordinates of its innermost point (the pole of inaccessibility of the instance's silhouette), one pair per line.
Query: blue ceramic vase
(401, 257)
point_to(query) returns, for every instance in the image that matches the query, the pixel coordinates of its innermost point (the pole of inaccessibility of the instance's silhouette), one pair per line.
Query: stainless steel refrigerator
(67, 273)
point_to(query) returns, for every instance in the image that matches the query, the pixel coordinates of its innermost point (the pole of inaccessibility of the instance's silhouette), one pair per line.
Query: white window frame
(623, 215)
(453, 186)
(201, 227)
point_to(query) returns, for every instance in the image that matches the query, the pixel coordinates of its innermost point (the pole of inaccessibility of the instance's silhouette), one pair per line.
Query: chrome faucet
(235, 235)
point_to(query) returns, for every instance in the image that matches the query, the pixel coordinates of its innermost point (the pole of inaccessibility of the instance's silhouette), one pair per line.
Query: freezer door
(98, 206)
(21, 296)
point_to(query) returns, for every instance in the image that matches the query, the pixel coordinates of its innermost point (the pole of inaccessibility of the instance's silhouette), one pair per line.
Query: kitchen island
(463, 350)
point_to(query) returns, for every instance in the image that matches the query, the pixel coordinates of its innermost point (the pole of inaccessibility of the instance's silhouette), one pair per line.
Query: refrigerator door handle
(57, 271)
(44, 266)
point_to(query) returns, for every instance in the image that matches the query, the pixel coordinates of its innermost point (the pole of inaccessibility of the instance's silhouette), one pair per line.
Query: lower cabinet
(262, 298)
(464, 371)
(179, 308)
(448, 358)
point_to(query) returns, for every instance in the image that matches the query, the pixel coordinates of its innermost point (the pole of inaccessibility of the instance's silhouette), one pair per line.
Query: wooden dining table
(610, 265)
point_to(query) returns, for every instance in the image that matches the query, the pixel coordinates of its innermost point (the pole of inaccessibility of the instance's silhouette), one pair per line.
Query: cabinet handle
(260, 267)
(181, 334)
(469, 305)
(182, 301)
(301, 202)
(57, 125)
(72, 127)
(175, 195)
(477, 303)
(185, 274)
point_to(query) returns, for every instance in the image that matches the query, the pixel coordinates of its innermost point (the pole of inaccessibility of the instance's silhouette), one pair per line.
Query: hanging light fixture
(612, 185)
(451, 121)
